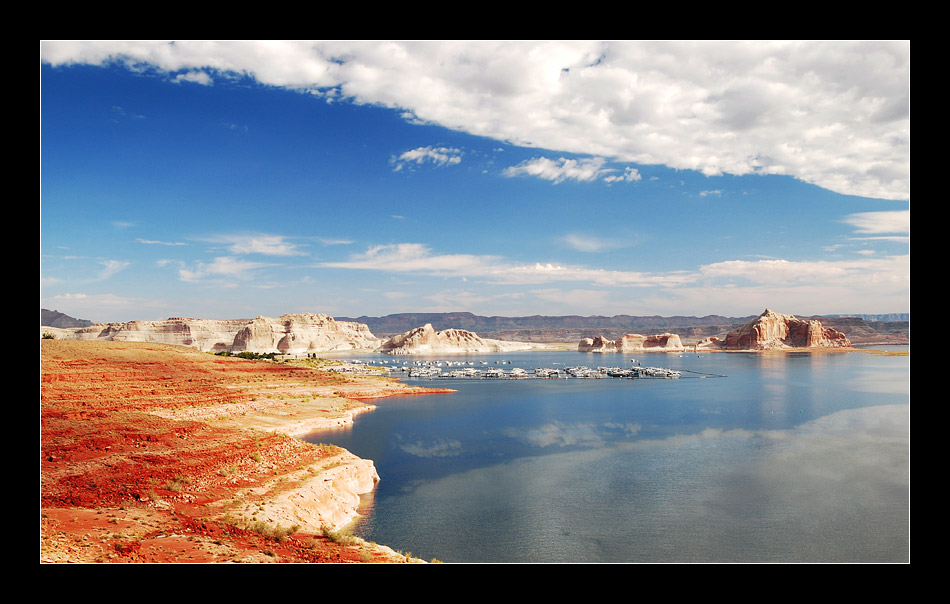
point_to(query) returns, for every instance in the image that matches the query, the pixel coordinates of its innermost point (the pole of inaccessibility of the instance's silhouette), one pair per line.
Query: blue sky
(235, 179)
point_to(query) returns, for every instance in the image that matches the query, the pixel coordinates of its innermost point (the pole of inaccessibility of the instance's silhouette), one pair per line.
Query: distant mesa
(426, 340)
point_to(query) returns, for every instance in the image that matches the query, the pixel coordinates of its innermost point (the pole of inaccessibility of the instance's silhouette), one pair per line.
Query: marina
(469, 370)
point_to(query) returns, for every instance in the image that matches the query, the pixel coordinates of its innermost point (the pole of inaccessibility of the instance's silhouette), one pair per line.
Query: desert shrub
(338, 537)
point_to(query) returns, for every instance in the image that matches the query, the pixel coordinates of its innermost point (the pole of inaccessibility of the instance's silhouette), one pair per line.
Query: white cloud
(881, 223)
(111, 267)
(418, 258)
(891, 270)
(593, 243)
(629, 175)
(835, 114)
(440, 156)
(155, 242)
(559, 170)
(219, 267)
(333, 241)
(263, 244)
(737, 287)
(195, 77)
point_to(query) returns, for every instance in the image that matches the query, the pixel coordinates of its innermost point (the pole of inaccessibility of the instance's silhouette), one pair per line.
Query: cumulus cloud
(835, 114)
(440, 156)
(195, 77)
(629, 175)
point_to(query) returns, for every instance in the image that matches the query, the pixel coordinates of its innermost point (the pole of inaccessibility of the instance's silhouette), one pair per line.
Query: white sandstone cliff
(426, 340)
(633, 342)
(288, 334)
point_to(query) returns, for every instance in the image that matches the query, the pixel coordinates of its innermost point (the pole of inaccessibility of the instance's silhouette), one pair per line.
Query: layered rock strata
(775, 331)
(632, 342)
(288, 334)
(426, 340)
(331, 501)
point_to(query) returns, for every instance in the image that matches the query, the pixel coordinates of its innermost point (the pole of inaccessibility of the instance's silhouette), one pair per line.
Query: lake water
(790, 457)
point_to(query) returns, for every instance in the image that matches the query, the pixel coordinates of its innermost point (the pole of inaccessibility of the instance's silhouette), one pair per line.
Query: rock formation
(772, 331)
(426, 340)
(288, 334)
(632, 342)
(331, 502)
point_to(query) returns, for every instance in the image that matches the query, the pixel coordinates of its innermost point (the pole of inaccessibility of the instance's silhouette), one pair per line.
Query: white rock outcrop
(632, 342)
(329, 498)
(299, 333)
(426, 340)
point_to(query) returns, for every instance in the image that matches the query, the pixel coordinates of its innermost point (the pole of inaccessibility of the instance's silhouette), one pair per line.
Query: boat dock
(468, 370)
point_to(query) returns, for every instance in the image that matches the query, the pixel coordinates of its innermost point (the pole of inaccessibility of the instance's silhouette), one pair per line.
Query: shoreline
(220, 463)
(147, 448)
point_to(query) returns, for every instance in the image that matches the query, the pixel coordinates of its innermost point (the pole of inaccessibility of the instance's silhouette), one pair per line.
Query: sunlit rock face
(426, 340)
(288, 334)
(772, 330)
(632, 342)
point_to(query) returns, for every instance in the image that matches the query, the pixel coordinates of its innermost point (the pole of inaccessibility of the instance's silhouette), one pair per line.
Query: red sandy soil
(145, 446)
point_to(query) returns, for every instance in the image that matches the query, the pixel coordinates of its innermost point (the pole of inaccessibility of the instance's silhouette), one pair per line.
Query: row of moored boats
(435, 371)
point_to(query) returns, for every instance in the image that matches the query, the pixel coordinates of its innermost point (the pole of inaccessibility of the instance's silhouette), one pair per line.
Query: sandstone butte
(293, 334)
(426, 340)
(768, 331)
(298, 335)
(157, 453)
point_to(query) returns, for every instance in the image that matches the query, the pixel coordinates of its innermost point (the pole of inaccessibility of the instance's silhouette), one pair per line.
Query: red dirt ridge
(145, 449)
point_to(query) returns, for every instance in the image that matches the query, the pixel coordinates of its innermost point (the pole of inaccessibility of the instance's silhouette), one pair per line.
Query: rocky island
(426, 340)
(633, 342)
(768, 331)
(777, 331)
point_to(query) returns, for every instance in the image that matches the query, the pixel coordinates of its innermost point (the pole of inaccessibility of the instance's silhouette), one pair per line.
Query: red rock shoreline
(158, 453)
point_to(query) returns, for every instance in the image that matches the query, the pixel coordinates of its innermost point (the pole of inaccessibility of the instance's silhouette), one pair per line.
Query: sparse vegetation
(254, 356)
(339, 537)
(274, 532)
(175, 485)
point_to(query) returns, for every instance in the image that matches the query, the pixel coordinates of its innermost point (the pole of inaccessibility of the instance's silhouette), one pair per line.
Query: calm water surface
(788, 458)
